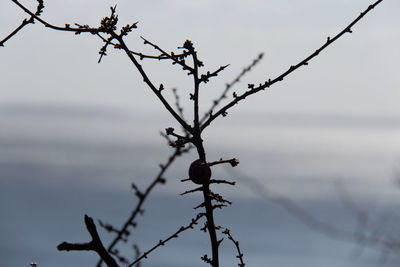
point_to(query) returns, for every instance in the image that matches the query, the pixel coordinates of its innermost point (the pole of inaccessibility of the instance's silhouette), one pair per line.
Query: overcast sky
(354, 82)
(358, 74)
(68, 123)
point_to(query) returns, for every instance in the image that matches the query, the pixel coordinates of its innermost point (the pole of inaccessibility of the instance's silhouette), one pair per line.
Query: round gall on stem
(199, 172)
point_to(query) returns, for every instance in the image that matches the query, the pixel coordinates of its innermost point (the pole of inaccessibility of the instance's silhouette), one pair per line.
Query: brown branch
(67, 27)
(23, 24)
(176, 59)
(174, 235)
(252, 89)
(94, 245)
(39, 10)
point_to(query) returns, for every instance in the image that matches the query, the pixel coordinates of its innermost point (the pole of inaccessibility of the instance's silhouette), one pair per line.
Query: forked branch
(39, 10)
(94, 245)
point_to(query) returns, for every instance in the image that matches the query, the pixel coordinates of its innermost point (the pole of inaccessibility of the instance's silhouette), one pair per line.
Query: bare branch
(25, 22)
(192, 191)
(146, 79)
(175, 235)
(67, 27)
(234, 162)
(212, 181)
(130, 221)
(206, 77)
(254, 89)
(230, 85)
(236, 243)
(94, 245)
(176, 59)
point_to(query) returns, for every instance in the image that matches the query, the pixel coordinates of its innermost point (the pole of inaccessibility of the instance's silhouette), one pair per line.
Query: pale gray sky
(358, 74)
(354, 81)
(70, 126)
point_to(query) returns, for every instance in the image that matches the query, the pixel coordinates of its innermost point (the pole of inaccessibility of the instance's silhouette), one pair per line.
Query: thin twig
(143, 196)
(230, 85)
(234, 162)
(58, 28)
(212, 181)
(31, 20)
(192, 191)
(236, 243)
(175, 235)
(146, 79)
(254, 89)
(177, 59)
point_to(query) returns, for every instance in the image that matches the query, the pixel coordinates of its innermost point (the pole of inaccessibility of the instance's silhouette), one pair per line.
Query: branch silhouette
(94, 245)
(200, 171)
(25, 22)
(262, 86)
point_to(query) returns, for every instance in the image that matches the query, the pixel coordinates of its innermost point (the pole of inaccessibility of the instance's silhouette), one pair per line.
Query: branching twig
(94, 245)
(25, 22)
(142, 197)
(236, 243)
(77, 30)
(108, 28)
(176, 59)
(205, 78)
(175, 235)
(146, 79)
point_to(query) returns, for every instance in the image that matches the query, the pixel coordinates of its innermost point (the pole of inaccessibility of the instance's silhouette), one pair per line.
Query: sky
(356, 75)
(68, 124)
(55, 76)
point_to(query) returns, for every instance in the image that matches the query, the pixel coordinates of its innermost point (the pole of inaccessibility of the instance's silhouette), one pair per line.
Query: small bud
(169, 130)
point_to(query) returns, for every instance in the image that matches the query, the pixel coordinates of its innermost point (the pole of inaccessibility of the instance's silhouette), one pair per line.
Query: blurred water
(54, 169)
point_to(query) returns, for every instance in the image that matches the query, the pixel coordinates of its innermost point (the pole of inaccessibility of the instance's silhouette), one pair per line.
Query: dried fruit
(199, 172)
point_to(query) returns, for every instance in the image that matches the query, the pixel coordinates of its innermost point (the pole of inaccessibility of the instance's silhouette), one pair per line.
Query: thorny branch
(262, 86)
